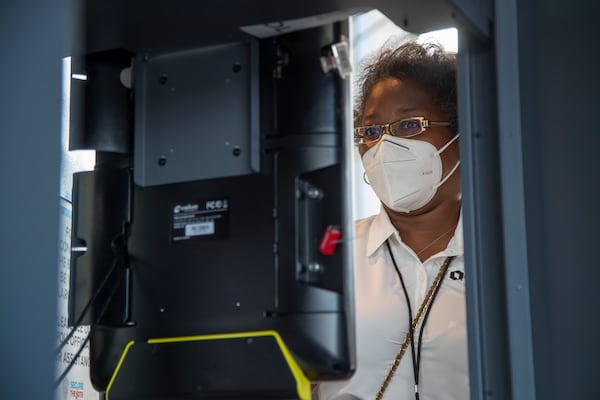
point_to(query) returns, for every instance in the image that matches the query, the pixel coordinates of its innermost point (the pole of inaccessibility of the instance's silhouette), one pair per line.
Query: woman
(409, 258)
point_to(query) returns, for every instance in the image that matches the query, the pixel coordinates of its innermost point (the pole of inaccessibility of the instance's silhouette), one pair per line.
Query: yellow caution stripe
(302, 382)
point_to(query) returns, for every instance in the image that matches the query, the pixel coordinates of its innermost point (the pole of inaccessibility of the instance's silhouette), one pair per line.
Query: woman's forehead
(400, 90)
(396, 98)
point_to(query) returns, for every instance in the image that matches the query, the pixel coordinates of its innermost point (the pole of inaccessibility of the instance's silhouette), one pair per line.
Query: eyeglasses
(406, 127)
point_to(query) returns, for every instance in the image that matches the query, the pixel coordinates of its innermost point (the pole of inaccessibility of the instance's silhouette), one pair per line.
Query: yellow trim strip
(114, 376)
(302, 382)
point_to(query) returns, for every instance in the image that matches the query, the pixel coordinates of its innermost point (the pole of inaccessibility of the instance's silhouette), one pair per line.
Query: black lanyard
(416, 358)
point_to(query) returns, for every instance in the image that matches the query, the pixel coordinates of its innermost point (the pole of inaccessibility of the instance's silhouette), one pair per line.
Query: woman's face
(391, 100)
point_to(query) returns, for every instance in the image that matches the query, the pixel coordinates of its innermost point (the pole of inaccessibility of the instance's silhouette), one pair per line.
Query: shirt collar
(381, 229)
(455, 245)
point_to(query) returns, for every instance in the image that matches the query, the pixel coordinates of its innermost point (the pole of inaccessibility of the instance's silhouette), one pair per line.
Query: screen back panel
(241, 252)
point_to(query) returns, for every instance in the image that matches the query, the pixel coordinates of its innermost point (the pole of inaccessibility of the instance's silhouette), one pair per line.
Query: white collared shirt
(382, 319)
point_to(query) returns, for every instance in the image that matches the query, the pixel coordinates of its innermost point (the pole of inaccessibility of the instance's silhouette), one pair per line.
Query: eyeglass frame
(387, 129)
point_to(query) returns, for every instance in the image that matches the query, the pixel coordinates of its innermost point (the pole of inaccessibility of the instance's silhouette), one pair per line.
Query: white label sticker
(200, 229)
(200, 219)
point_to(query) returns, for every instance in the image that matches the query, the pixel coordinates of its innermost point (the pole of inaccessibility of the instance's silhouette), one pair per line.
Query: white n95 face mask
(405, 173)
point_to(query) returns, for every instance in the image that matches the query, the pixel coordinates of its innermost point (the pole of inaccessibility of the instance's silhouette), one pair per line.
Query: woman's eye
(411, 127)
(372, 133)
(410, 124)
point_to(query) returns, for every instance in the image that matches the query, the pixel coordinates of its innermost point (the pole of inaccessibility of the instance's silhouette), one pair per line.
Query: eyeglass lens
(407, 127)
(373, 133)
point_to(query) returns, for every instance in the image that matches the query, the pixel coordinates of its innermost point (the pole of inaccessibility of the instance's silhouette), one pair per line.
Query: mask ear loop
(449, 175)
(444, 147)
(455, 166)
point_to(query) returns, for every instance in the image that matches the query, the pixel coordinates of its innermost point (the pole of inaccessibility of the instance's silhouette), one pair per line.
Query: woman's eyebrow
(402, 112)
(406, 110)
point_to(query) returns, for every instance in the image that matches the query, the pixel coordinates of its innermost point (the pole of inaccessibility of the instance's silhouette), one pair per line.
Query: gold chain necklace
(436, 240)
(428, 298)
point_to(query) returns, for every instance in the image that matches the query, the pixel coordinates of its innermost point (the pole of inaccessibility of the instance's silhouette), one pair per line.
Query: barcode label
(200, 229)
(200, 219)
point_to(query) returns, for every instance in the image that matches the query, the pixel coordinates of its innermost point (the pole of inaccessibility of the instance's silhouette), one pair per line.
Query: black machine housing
(212, 223)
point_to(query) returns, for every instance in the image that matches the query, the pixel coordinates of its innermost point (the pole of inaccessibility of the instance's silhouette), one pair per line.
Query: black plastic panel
(233, 253)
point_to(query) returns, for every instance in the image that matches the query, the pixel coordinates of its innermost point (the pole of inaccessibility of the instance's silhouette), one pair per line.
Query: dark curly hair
(427, 65)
